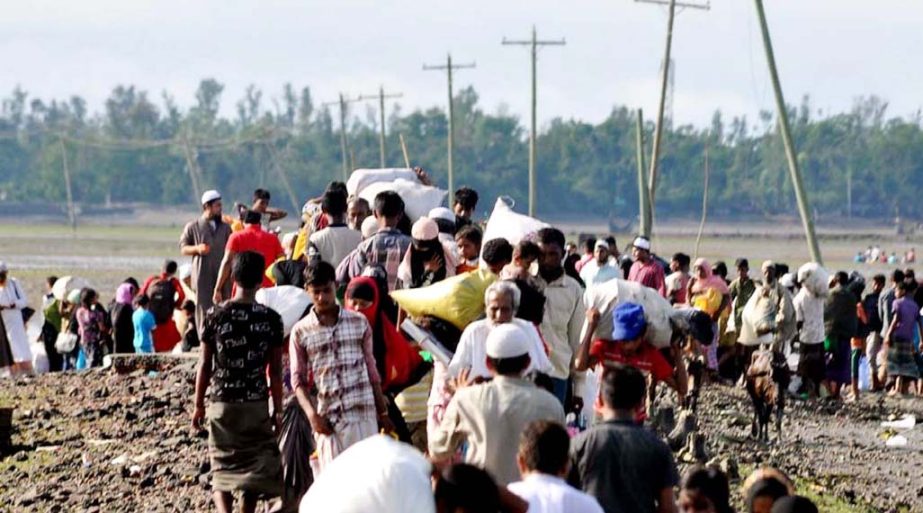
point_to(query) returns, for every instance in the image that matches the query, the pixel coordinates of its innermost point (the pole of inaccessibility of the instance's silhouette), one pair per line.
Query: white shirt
(809, 310)
(593, 274)
(472, 349)
(335, 242)
(550, 494)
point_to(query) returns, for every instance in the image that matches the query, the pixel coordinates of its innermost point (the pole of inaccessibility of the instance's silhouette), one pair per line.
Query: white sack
(362, 178)
(657, 310)
(290, 302)
(418, 199)
(504, 223)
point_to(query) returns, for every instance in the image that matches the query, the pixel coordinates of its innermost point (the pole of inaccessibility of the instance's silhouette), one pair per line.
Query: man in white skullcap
(204, 240)
(646, 270)
(599, 269)
(491, 416)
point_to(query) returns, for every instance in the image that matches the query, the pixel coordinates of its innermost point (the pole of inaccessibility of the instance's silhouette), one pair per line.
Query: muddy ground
(103, 442)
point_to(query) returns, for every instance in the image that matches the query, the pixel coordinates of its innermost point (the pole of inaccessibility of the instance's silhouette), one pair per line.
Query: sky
(832, 50)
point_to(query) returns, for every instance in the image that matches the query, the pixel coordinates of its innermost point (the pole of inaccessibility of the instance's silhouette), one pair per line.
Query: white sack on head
(657, 310)
(65, 284)
(418, 199)
(504, 223)
(288, 301)
(362, 178)
(815, 279)
(377, 475)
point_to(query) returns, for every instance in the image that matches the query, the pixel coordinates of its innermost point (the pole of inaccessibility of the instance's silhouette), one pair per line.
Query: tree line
(124, 153)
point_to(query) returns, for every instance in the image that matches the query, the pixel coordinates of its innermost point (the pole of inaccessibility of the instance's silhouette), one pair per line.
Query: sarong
(243, 449)
(901, 361)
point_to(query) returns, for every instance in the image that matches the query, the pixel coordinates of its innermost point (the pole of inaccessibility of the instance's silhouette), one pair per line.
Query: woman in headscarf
(123, 330)
(427, 261)
(709, 292)
(91, 319)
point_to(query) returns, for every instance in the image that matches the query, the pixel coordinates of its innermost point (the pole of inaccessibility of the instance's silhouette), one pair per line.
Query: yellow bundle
(458, 300)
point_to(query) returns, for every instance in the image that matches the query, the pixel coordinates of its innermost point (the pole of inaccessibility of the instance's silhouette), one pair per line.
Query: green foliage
(130, 152)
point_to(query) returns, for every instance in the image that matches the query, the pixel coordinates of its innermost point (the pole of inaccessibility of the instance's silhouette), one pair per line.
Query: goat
(768, 377)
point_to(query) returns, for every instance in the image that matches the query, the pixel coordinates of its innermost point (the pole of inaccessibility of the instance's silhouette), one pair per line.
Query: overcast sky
(833, 50)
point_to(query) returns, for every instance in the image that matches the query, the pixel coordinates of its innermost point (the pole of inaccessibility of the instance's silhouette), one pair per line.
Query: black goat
(768, 377)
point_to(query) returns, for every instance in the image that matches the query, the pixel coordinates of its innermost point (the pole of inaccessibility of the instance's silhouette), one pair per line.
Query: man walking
(386, 248)
(646, 270)
(204, 240)
(251, 238)
(165, 293)
(337, 240)
(599, 269)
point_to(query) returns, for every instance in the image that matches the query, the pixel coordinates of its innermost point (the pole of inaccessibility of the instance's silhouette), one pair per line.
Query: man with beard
(564, 313)
(204, 240)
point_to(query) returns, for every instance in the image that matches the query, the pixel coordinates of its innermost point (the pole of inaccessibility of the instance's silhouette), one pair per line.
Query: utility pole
(644, 195)
(533, 43)
(448, 67)
(343, 102)
(790, 154)
(71, 211)
(381, 96)
(664, 84)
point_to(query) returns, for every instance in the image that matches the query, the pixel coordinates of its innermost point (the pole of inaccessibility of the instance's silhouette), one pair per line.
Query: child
(144, 323)
(468, 240)
(899, 340)
(525, 254)
(191, 334)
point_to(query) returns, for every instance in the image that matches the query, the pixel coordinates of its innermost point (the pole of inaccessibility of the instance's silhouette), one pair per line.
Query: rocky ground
(109, 442)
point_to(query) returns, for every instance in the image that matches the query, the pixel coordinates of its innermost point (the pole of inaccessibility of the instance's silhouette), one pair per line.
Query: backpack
(162, 302)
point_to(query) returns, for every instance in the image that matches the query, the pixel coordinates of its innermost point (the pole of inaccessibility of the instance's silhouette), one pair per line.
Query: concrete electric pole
(448, 67)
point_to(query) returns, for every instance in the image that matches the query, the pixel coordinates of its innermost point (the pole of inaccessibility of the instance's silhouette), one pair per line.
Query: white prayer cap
(507, 341)
(442, 213)
(369, 227)
(210, 195)
(642, 243)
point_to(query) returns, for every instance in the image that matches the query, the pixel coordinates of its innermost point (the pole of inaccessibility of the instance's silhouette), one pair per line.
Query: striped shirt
(386, 248)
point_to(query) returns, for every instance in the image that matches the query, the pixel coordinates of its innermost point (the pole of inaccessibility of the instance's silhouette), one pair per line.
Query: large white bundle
(815, 279)
(377, 475)
(657, 310)
(40, 362)
(418, 199)
(290, 302)
(362, 178)
(504, 223)
(65, 284)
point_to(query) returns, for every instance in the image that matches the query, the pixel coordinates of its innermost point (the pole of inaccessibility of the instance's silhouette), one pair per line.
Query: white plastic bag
(377, 475)
(290, 302)
(39, 358)
(657, 310)
(418, 199)
(362, 178)
(504, 223)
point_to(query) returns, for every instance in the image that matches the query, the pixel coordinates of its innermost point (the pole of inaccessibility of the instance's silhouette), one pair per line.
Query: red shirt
(649, 274)
(253, 238)
(648, 359)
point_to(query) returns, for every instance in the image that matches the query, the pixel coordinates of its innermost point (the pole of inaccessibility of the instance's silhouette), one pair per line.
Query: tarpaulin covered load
(458, 300)
(378, 474)
(657, 310)
(504, 223)
(418, 199)
(362, 178)
(288, 301)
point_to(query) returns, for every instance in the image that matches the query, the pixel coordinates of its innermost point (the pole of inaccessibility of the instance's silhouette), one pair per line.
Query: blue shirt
(143, 322)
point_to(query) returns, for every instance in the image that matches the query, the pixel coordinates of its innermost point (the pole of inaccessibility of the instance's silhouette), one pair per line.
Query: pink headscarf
(125, 293)
(710, 281)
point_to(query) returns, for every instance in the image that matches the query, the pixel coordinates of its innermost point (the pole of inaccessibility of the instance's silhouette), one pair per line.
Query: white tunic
(12, 294)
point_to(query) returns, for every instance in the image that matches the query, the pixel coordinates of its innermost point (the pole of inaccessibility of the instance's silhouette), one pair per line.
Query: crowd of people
(507, 423)
(876, 255)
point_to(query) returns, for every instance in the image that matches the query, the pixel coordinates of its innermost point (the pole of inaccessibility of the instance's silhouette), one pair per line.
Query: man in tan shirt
(492, 416)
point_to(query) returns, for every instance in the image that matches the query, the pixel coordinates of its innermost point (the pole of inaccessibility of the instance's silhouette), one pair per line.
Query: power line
(534, 43)
(448, 67)
(381, 97)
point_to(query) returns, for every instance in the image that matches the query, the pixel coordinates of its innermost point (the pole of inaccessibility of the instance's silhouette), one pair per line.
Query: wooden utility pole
(381, 96)
(533, 43)
(664, 83)
(71, 211)
(698, 238)
(344, 144)
(644, 195)
(448, 67)
(404, 151)
(791, 155)
(192, 166)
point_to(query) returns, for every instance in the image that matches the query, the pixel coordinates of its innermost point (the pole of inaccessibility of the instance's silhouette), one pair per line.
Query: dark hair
(610, 240)
(142, 300)
(50, 280)
(467, 488)
(261, 194)
(336, 186)
(570, 268)
(133, 282)
(514, 366)
(742, 262)
(842, 278)
(388, 204)
(897, 276)
(551, 236)
(252, 217)
(467, 198)
(909, 273)
(446, 226)
(87, 296)
(544, 447)
(720, 269)
(188, 306)
(711, 482)
(766, 487)
(904, 287)
(781, 270)
(879, 278)
(248, 268)
(319, 274)
(589, 244)
(622, 387)
(169, 267)
(471, 234)
(497, 251)
(528, 250)
(794, 504)
(334, 203)
(682, 259)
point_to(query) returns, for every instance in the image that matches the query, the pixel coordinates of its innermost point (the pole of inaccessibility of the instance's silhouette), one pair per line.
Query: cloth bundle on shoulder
(815, 279)
(657, 310)
(362, 178)
(418, 199)
(458, 300)
(504, 223)
(768, 317)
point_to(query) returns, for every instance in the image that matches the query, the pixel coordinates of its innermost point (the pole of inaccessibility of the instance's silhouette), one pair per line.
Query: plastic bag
(458, 300)
(504, 223)
(295, 441)
(40, 362)
(362, 178)
(290, 302)
(418, 199)
(758, 320)
(378, 475)
(657, 310)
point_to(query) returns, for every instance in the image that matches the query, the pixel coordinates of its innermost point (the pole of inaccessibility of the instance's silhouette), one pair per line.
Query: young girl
(93, 325)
